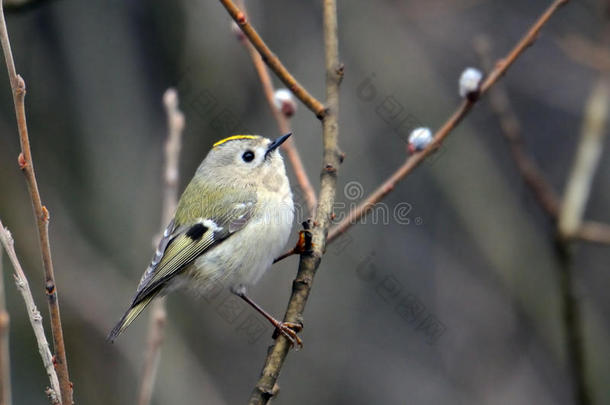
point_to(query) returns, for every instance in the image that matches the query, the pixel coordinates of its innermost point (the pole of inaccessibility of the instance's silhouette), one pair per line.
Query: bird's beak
(276, 143)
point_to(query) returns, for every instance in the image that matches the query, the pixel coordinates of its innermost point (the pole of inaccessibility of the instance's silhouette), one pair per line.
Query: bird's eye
(248, 156)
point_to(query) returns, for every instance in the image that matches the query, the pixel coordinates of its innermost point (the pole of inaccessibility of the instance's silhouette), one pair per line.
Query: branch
(40, 212)
(158, 316)
(585, 52)
(5, 363)
(532, 175)
(273, 61)
(175, 123)
(594, 232)
(284, 127)
(549, 201)
(571, 314)
(511, 130)
(587, 160)
(309, 262)
(570, 224)
(414, 160)
(35, 318)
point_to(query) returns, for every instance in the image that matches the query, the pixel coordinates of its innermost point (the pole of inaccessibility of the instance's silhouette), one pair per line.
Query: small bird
(232, 220)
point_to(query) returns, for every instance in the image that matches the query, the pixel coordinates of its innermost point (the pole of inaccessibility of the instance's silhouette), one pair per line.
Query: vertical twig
(5, 363)
(40, 212)
(570, 211)
(175, 126)
(309, 262)
(572, 325)
(571, 214)
(35, 318)
(158, 317)
(587, 159)
(175, 120)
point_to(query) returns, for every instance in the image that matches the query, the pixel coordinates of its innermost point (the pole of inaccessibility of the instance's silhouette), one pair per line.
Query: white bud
(470, 81)
(419, 139)
(285, 102)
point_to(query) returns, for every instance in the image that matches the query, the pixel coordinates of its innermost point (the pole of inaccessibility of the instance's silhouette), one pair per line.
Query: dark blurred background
(457, 303)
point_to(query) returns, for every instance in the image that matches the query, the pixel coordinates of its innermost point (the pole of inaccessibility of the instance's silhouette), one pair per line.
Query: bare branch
(570, 222)
(175, 123)
(585, 52)
(549, 201)
(273, 61)
(310, 261)
(34, 315)
(586, 162)
(41, 214)
(5, 363)
(158, 316)
(511, 130)
(529, 170)
(414, 160)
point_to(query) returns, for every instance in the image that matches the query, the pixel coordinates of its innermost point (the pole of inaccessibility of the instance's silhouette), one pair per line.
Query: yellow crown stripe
(234, 137)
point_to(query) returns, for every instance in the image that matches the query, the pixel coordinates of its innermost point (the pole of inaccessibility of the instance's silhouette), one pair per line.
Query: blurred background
(456, 303)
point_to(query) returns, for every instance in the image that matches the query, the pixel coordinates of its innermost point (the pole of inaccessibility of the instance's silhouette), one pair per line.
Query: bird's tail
(130, 315)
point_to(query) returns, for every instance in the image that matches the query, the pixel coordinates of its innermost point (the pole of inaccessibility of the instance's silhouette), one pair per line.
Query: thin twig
(414, 160)
(532, 175)
(158, 316)
(549, 201)
(286, 254)
(5, 363)
(594, 232)
(34, 315)
(585, 52)
(310, 261)
(175, 122)
(284, 127)
(587, 160)
(511, 130)
(571, 313)
(570, 220)
(41, 214)
(273, 61)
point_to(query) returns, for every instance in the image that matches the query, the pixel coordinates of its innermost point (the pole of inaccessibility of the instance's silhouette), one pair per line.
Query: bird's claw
(290, 330)
(304, 244)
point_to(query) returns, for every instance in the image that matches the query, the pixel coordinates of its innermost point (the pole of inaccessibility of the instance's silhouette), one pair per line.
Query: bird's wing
(187, 242)
(180, 246)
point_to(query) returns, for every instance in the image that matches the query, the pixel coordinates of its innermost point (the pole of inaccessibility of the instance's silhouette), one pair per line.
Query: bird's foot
(289, 330)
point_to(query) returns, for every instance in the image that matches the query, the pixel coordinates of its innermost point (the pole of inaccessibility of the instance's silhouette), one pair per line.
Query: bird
(232, 220)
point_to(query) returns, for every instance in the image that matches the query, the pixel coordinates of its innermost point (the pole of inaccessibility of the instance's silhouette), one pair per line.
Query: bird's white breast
(246, 255)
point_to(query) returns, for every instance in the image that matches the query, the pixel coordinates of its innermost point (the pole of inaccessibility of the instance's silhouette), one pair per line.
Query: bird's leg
(288, 329)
